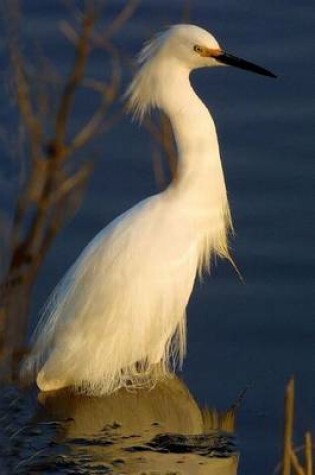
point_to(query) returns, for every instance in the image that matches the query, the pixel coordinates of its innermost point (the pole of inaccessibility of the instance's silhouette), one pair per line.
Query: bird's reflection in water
(157, 431)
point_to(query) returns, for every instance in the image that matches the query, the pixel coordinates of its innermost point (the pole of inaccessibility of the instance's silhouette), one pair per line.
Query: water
(263, 331)
(161, 431)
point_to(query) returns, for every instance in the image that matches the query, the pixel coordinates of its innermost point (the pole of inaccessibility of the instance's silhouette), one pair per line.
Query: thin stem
(295, 463)
(74, 80)
(308, 454)
(288, 428)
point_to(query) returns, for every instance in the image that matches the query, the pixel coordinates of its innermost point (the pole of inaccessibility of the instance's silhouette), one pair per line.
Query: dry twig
(290, 454)
(288, 428)
(55, 183)
(308, 454)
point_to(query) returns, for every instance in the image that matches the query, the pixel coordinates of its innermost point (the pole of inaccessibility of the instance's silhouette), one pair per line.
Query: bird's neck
(199, 170)
(199, 180)
(198, 188)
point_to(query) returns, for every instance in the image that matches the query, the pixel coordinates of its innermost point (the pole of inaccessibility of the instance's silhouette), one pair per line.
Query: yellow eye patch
(207, 52)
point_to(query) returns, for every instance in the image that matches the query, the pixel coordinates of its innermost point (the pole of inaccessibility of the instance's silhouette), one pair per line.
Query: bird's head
(182, 48)
(190, 46)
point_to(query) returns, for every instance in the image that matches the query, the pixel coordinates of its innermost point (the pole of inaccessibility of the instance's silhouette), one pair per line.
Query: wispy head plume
(141, 95)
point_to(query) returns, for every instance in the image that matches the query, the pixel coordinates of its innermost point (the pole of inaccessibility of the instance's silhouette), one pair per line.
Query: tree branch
(75, 78)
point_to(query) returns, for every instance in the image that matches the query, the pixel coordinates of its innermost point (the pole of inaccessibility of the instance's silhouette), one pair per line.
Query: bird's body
(119, 313)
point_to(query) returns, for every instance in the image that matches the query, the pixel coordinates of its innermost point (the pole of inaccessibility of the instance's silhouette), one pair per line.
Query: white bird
(117, 318)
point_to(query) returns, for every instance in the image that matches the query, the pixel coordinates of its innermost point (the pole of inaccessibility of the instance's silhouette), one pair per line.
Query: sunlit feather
(118, 316)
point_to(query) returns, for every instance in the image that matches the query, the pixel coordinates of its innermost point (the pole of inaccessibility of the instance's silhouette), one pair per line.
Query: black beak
(231, 60)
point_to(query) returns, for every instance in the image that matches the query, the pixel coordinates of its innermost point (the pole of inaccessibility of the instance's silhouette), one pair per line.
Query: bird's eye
(197, 49)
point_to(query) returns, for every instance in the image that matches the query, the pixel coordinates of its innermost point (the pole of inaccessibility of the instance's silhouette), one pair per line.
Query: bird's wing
(128, 289)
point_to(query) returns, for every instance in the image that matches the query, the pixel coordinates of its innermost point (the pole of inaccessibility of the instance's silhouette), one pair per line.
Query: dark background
(262, 331)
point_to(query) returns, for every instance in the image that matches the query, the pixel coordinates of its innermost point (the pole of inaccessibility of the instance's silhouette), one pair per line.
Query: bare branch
(108, 92)
(70, 183)
(186, 12)
(114, 54)
(75, 78)
(158, 168)
(163, 136)
(89, 130)
(69, 187)
(288, 427)
(308, 454)
(168, 144)
(123, 16)
(69, 32)
(30, 121)
(295, 463)
(24, 101)
(153, 129)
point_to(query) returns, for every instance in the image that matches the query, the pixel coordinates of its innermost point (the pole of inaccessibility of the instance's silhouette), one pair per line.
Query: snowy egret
(117, 318)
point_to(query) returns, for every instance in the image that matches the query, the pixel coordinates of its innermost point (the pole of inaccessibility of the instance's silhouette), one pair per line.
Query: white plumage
(118, 316)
